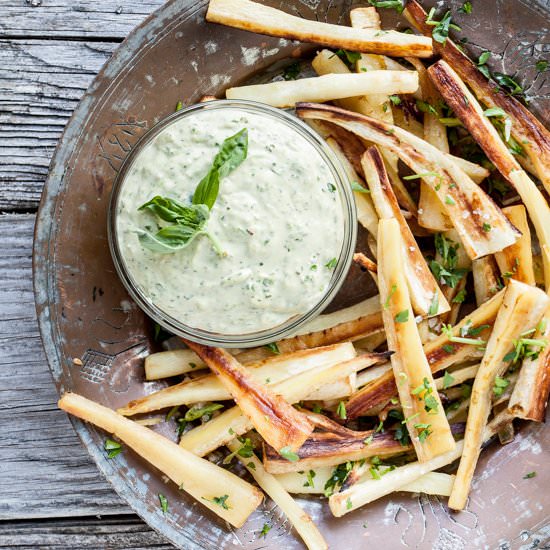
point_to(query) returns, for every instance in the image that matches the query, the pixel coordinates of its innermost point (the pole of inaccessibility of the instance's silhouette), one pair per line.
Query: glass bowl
(263, 336)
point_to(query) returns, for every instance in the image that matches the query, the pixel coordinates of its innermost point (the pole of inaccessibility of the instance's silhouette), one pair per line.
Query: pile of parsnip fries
(377, 397)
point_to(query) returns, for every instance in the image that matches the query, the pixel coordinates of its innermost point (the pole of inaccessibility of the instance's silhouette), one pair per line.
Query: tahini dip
(278, 220)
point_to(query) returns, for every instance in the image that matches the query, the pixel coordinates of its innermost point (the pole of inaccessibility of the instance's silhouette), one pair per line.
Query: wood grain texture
(41, 82)
(45, 471)
(124, 532)
(112, 19)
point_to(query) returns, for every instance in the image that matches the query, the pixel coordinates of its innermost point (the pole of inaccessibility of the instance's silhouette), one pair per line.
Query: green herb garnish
(246, 450)
(356, 186)
(349, 58)
(292, 71)
(440, 33)
(112, 447)
(541, 65)
(338, 478)
(265, 530)
(392, 4)
(289, 454)
(500, 385)
(220, 501)
(163, 503)
(530, 475)
(273, 348)
(341, 410)
(402, 316)
(189, 221)
(310, 476)
(466, 8)
(196, 412)
(446, 271)
(331, 264)
(447, 380)
(395, 99)
(392, 291)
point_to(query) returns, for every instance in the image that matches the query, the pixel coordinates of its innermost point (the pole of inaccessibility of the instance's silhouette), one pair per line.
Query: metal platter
(84, 312)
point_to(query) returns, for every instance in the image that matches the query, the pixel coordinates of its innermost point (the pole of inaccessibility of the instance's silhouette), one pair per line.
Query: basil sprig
(190, 220)
(232, 152)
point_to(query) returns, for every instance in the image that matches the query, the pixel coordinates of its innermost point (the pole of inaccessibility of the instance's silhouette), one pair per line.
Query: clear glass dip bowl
(294, 323)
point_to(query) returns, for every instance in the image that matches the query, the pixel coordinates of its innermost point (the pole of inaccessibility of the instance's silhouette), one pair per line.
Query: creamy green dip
(278, 218)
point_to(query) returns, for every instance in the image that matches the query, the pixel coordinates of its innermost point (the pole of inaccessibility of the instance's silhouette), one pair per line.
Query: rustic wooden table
(51, 494)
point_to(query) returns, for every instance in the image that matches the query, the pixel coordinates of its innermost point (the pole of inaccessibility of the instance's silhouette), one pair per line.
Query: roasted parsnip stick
(280, 424)
(254, 17)
(424, 415)
(200, 478)
(468, 110)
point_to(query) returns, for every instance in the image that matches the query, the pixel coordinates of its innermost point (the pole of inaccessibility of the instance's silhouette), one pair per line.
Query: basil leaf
(175, 237)
(232, 153)
(170, 210)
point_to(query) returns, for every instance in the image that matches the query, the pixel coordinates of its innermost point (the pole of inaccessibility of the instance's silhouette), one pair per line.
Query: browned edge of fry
(293, 426)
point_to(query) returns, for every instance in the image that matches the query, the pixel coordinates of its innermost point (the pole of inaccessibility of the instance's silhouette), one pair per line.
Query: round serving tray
(84, 312)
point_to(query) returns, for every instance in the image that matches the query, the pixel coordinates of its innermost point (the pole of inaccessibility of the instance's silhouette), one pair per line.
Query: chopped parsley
(331, 264)
(423, 431)
(349, 505)
(446, 271)
(310, 476)
(402, 316)
(221, 501)
(292, 71)
(397, 5)
(395, 99)
(449, 200)
(508, 83)
(448, 331)
(341, 410)
(349, 58)
(289, 454)
(530, 475)
(337, 478)
(440, 31)
(486, 227)
(500, 385)
(460, 297)
(466, 8)
(541, 65)
(163, 503)
(196, 412)
(434, 306)
(179, 106)
(447, 380)
(273, 348)
(357, 187)
(426, 107)
(265, 530)
(393, 290)
(112, 447)
(246, 450)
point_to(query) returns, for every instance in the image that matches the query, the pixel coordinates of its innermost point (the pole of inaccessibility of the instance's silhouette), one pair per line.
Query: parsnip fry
(522, 308)
(328, 449)
(516, 261)
(486, 278)
(468, 110)
(432, 483)
(250, 16)
(457, 377)
(526, 129)
(426, 297)
(280, 424)
(171, 363)
(530, 395)
(300, 520)
(200, 478)
(424, 415)
(269, 371)
(352, 323)
(468, 206)
(326, 88)
(232, 422)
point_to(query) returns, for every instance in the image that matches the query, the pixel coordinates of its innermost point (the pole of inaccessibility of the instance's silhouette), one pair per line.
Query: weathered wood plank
(45, 470)
(41, 82)
(111, 19)
(120, 533)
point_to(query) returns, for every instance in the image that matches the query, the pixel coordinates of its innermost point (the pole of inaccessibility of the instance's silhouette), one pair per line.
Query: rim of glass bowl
(264, 336)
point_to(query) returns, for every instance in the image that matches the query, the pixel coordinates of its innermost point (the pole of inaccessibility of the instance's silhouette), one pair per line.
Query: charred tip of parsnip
(280, 424)
(468, 206)
(202, 479)
(254, 17)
